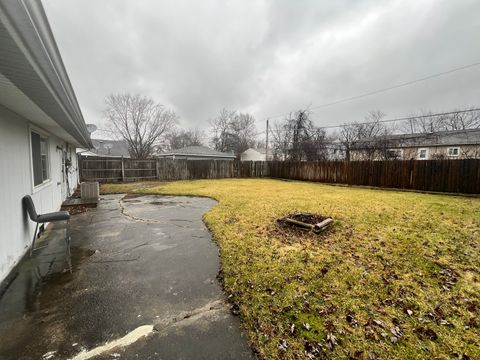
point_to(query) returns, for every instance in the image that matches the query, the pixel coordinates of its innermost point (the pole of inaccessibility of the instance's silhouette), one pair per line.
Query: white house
(106, 148)
(196, 153)
(40, 125)
(452, 144)
(252, 154)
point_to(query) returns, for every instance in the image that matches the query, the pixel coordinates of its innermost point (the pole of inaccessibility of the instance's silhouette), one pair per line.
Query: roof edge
(27, 24)
(200, 155)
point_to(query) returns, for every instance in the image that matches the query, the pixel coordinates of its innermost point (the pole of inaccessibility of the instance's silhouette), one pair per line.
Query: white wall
(16, 230)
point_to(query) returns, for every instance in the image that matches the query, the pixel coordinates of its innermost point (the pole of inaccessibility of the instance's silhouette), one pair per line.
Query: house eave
(32, 63)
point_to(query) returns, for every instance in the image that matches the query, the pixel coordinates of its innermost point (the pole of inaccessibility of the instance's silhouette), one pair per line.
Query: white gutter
(31, 61)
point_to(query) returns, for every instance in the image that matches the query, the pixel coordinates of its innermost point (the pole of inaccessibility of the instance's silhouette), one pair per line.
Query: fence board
(453, 176)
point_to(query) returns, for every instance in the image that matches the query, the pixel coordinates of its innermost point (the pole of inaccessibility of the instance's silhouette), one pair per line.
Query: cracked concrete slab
(143, 264)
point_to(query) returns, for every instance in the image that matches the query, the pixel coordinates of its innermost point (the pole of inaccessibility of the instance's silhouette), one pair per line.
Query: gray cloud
(270, 57)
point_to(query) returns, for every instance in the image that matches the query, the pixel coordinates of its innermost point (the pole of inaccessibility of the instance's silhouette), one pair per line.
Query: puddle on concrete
(38, 281)
(164, 203)
(132, 196)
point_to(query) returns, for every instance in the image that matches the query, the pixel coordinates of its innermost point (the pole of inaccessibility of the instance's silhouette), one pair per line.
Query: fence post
(80, 170)
(123, 171)
(157, 168)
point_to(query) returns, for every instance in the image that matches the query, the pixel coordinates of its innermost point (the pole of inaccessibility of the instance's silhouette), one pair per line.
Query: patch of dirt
(446, 276)
(426, 334)
(307, 218)
(449, 278)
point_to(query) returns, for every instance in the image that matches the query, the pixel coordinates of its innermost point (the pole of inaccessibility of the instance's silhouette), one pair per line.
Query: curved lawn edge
(396, 260)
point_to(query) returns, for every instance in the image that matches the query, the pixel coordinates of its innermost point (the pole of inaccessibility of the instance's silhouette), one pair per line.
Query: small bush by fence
(453, 176)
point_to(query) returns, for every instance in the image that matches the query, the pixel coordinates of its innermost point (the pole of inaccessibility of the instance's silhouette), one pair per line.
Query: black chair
(44, 218)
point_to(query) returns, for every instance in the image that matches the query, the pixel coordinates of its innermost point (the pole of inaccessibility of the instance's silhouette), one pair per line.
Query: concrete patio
(143, 286)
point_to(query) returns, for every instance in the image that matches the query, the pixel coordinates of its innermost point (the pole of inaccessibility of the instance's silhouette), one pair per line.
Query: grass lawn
(397, 277)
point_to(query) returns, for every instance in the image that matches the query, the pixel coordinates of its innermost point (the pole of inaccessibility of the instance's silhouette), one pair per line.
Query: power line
(406, 118)
(414, 117)
(387, 88)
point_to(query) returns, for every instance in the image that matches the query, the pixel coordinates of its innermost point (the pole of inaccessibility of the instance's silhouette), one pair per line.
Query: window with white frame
(453, 151)
(422, 154)
(40, 160)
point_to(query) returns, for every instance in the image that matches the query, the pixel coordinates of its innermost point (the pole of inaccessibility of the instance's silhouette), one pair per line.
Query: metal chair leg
(34, 238)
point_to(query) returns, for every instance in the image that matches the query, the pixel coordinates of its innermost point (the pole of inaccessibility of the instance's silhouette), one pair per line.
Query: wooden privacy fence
(116, 169)
(453, 176)
(104, 169)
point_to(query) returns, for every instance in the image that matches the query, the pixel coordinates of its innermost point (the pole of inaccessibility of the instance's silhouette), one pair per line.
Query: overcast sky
(270, 57)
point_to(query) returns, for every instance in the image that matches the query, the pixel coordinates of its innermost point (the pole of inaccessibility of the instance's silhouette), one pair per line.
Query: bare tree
(244, 131)
(140, 121)
(233, 132)
(301, 125)
(260, 144)
(369, 138)
(297, 138)
(178, 139)
(426, 122)
(372, 126)
(373, 135)
(220, 130)
(470, 153)
(281, 135)
(314, 146)
(348, 137)
(461, 120)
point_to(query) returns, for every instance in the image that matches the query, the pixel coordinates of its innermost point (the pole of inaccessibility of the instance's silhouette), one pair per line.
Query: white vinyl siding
(17, 180)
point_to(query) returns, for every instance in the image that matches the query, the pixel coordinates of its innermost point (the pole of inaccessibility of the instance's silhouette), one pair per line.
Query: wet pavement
(143, 286)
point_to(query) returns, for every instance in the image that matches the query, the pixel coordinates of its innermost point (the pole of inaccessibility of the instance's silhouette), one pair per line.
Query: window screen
(422, 154)
(453, 151)
(39, 159)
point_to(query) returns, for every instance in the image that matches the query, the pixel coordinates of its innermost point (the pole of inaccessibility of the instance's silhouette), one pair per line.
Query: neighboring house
(252, 154)
(458, 144)
(106, 148)
(40, 126)
(197, 153)
(335, 150)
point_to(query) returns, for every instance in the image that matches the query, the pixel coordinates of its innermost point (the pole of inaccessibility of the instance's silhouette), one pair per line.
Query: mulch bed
(77, 209)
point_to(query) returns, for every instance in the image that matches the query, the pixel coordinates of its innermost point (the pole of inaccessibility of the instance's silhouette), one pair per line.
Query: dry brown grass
(397, 277)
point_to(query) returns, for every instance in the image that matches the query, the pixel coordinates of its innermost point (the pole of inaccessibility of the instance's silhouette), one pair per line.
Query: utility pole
(266, 143)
